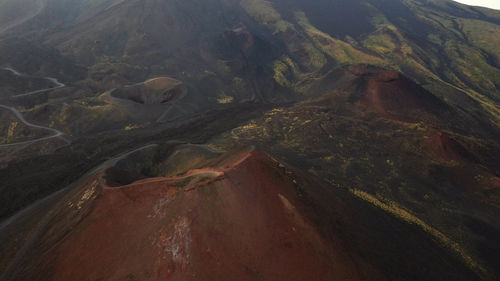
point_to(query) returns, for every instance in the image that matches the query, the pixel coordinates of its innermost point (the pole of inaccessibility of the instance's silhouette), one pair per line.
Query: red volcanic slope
(390, 93)
(442, 147)
(244, 220)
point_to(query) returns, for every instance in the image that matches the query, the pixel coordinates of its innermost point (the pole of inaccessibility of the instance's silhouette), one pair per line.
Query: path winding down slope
(51, 79)
(56, 133)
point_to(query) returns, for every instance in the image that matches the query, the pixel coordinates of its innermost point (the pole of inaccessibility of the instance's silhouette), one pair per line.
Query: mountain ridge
(390, 105)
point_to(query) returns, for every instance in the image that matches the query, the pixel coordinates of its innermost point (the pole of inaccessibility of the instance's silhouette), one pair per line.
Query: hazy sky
(494, 4)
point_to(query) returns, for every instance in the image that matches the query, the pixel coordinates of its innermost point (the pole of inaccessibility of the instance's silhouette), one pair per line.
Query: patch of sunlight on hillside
(399, 212)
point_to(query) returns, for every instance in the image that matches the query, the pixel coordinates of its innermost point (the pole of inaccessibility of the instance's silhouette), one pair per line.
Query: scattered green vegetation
(399, 212)
(339, 50)
(281, 71)
(263, 12)
(223, 98)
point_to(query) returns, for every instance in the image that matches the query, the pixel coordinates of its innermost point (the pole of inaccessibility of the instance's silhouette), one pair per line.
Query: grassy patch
(223, 98)
(339, 50)
(399, 212)
(484, 35)
(263, 12)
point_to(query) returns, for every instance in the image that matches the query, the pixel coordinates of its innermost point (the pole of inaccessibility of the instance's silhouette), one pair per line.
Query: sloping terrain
(244, 216)
(154, 91)
(388, 110)
(15, 130)
(422, 164)
(13, 82)
(14, 13)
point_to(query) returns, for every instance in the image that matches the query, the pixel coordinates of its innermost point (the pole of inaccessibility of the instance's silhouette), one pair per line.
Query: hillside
(386, 110)
(222, 220)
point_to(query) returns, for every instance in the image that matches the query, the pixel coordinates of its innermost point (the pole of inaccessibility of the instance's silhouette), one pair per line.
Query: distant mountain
(435, 42)
(390, 105)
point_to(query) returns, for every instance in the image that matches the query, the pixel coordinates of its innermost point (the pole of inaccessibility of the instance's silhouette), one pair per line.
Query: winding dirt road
(53, 80)
(56, 133)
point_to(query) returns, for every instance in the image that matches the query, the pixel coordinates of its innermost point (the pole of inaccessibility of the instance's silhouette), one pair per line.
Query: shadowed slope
(244, 217)
(241, 221)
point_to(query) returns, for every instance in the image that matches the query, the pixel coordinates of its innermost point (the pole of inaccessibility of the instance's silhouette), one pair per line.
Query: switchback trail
(56, 133)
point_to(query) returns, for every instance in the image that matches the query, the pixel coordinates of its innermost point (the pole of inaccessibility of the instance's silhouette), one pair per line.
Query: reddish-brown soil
(443, 147)
(392, 94)
(243, 220)
(241, 38)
